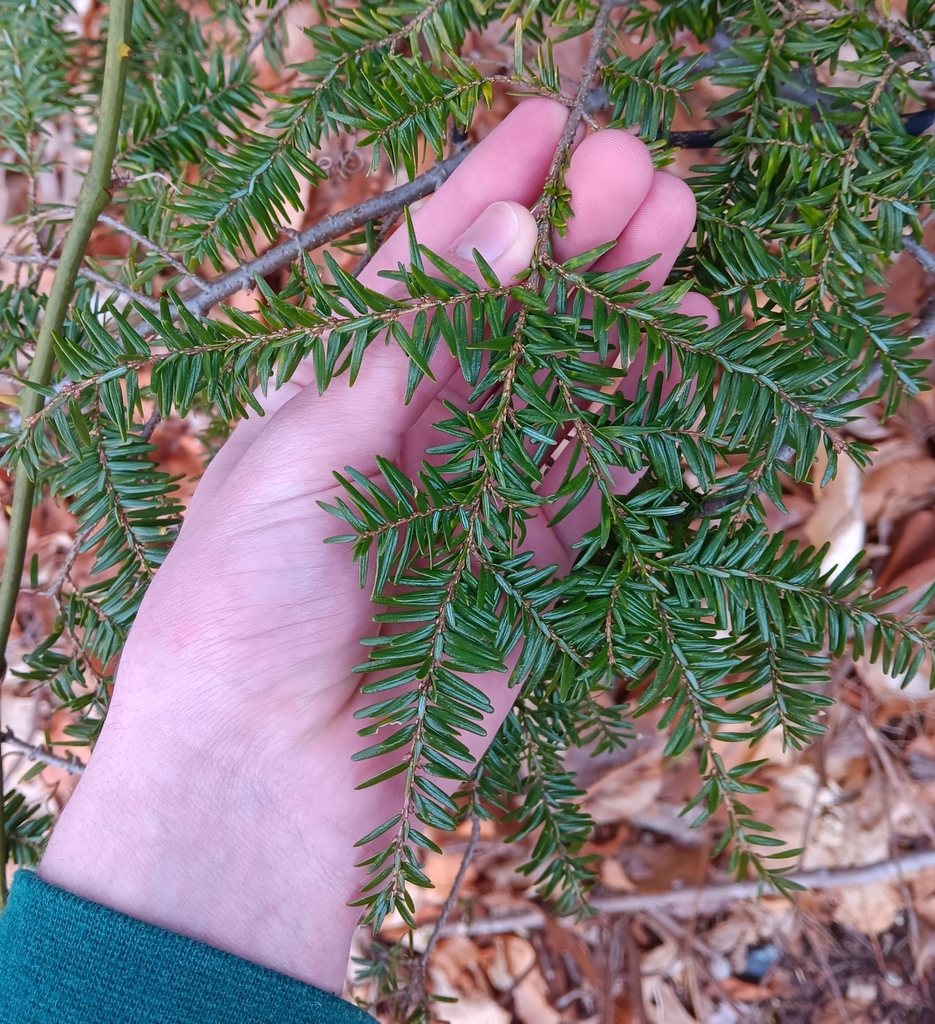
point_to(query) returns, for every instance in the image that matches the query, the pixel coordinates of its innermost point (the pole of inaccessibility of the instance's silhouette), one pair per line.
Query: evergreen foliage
(678, 592)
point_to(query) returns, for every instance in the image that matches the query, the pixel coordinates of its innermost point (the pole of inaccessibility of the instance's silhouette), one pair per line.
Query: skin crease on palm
(220, 802)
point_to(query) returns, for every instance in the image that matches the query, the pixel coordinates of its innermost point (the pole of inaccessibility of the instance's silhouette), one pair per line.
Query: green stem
(92, 200)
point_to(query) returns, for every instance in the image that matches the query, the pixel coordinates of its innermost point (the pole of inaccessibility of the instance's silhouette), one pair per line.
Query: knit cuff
(66, 960)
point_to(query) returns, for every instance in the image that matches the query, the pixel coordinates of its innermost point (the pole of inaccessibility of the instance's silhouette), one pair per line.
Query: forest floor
(673, 942)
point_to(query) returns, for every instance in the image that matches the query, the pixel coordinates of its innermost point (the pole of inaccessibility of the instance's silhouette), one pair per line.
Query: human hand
(220, 802)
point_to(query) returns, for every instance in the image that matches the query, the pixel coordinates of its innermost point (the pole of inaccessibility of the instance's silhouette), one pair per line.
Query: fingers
(511, 165)
(648, 212)
(661, 226)
(609, 176)
(504, 234)
(695, 304)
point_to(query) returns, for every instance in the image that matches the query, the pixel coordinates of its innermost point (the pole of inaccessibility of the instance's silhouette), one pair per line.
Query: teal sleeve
(64, 960)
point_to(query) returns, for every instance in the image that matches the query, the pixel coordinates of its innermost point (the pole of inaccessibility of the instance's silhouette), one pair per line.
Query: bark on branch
(43, 755)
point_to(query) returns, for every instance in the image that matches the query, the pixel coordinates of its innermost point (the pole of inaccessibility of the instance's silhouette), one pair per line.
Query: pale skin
(220, 802)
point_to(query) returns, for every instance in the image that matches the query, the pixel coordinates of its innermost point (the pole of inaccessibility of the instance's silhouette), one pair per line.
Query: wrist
(213, 844)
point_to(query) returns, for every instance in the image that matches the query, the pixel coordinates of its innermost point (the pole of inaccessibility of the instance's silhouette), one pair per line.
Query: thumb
(505, 235)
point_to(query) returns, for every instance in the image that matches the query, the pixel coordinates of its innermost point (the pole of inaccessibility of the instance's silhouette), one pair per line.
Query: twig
(384, 233)
(925, 328)
(708, 957)
(417, 981)
(54, 590)
(61, 213)
(816, 945)
(150, 425)
(259, 36)
(884, 763)
(905, 35)
(148, 243)
(34, 752)
(324, 231)
(890, 774)
(575, 115)
(706, 897)
(385, 205)
(922, 256)
(92, 275)
(633, 969)
(92, 201)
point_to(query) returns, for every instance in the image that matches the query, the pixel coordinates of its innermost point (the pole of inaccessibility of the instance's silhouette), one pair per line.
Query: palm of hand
(238, 672)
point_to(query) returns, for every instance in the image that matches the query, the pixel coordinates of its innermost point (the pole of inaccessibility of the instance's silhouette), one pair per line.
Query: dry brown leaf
(664, 960)
(734, 933)
(915, 543)
(867, 427)
(897, 488)
(745, 992)
(667, 819)
(452, 955)
(512, 957)
(470, 1008)
(916, 579)
(798, 510)
(869, 909)
(925, 959)
(442, 869)
(530, 1000)
(662, 1003)
(925, 910)
(838, 519)
(505, 874)
(626, 791)
(614, 877)
(884, 685)
(922, 883)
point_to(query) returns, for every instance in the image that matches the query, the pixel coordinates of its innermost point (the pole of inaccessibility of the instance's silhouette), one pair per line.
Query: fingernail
(493, 232)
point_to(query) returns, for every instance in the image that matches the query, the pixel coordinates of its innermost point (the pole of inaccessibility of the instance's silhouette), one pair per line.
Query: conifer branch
(54, 589)
(338, 224)
(925, 328)
(90, 275)
(269, 23)
(231, 348)
(921, 255)
(809, 410)
(148, 243)
(919, 50)
(43, 755)
(727, 630)
(415, 989)
(578, 111)
(93, 198)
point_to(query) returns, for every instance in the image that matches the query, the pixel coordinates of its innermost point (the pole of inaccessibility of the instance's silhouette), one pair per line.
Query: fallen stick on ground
(703, 898)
